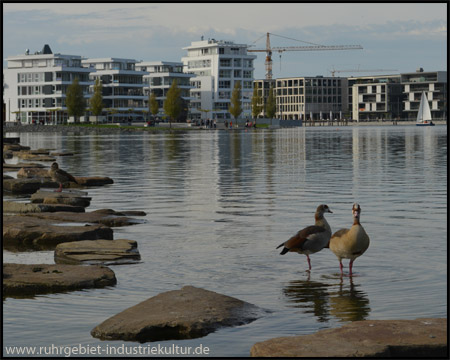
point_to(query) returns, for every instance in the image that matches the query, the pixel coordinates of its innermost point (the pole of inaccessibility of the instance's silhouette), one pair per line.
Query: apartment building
(218, 65)
(373, 98)
(311, 98)
(434, 83)
(264, 86)
(35, 86)
(158, 78)
(123, 87)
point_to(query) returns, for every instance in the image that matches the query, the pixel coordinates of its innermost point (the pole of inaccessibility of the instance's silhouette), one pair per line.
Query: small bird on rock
(312, 238)
(60, 176)
(350, 243)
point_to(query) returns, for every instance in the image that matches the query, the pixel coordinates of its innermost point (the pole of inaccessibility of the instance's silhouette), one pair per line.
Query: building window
(221, 50)
(225, 62)
(237, 73)
(224, 84)
(224, 73)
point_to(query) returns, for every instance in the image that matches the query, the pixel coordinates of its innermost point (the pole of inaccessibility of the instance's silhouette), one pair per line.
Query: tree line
(173, 105)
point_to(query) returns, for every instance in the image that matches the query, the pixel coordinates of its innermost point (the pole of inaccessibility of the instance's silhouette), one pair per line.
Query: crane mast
(314, 47)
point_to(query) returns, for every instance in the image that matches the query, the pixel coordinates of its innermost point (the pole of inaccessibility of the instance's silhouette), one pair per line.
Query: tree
(235, 107)
(173, 103)
(75, 102)
(257, 106)
(153, 106)
(271, 106)
(96, 102)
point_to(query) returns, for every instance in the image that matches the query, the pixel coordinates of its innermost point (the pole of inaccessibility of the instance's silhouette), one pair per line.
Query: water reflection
(349, 303)
(344, 301)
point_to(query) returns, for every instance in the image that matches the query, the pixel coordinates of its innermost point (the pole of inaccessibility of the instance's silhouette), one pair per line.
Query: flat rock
(26, 186)
(62, 153)
(27, 155)
(33, 172)
(18, 166)
(367, 338)
(21, 280)
(92, 181)
(40, 151)
(22, 232)
(120, 251)
(109, 218)
(15, 147)
(24, 208)
(180, 314)
(67, 197)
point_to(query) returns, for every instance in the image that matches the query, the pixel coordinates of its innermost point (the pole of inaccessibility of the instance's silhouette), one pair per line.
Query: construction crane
(358, 70)
(313, 47)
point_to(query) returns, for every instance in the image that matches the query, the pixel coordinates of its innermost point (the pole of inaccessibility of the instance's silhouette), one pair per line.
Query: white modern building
(434, 83)
(123, 87)
(218, 65)
(158, 78)
(375, 98)
(35, 86)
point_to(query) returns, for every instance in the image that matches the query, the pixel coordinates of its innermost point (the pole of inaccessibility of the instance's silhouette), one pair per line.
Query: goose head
(321, 209)
(356, 210)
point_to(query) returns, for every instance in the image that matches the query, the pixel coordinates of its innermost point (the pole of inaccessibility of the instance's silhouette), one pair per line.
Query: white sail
(424, 113)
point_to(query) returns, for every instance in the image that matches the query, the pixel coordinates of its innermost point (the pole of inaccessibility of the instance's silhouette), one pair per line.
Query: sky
(402, 36)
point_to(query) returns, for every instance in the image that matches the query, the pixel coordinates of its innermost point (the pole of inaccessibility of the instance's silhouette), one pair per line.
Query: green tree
(96, 101)
(153, 106)
(271, 106)
(235, 107)
(75, 102)
(173, 103)
(257, 106)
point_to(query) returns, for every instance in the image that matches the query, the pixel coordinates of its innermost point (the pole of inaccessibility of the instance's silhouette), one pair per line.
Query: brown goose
(312, 238)
(350, 243)
(60, 176)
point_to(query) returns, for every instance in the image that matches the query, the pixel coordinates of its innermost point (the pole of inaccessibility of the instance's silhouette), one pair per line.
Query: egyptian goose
(60, 176)
(350, 243)
(312, 238)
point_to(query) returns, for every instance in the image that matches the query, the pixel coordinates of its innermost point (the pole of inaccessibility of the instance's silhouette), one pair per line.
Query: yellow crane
(312, 47)
(333, 71)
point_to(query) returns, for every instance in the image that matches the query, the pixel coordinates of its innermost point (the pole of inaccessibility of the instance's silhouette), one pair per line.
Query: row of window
(308, 82)
(246, 74)
(309, 99)
(226, 84)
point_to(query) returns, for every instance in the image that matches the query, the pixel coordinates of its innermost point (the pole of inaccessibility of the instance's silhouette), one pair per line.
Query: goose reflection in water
(347, 303)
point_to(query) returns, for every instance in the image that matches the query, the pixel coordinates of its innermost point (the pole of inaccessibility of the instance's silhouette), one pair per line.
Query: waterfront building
(158, 78)
(374, 98)
(218, 65)
(264, 86)
(311, 98)
(123, 87)
(434, 83)
(35, 86)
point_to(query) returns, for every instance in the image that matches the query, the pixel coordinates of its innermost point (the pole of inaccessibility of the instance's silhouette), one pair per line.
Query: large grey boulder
(120, 251)
(20, 280)
(22, 232)
(180, 314)
(367, 338)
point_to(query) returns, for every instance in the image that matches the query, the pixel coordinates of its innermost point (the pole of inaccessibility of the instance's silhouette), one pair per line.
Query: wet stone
(180, 314)
(20, 280)
(67, 197)
(120, 251)
(22, 232)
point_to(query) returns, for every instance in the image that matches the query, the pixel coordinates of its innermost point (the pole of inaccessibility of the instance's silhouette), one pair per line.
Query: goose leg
(341, 267)
(309, 262)
(60, 188)
(350, 266)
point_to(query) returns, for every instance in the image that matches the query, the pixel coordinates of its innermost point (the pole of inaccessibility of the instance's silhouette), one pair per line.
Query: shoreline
(175, 127)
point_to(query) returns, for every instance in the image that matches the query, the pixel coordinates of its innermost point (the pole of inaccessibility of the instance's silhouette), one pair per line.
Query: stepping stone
(425, 338)
(26, 186)
(23, 208)
(67, 197)
(20, 280)
(61, 154)
(34, 157)
(108, 252)
(22, 232)
(106, 217)
(180, 314)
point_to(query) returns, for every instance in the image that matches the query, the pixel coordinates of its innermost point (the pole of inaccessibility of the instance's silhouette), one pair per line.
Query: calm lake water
(219, 202)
